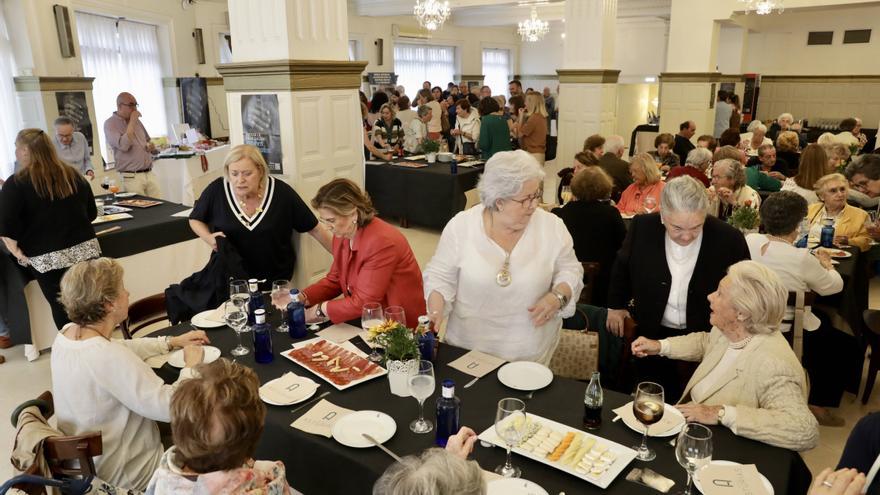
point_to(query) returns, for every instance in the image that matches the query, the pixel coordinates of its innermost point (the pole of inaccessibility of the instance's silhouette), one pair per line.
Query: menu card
(321, 418)
(476, 363)
(287, 389)
(340, 332)
(668, 422)
(718, 479)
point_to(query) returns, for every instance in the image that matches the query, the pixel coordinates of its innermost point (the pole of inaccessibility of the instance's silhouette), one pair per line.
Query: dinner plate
(525, 375)
(211, 354)
(634, 425)
(514, 486)
(201, 320)
(764, 479)
(348, 430)
(125, 194)
(301, 399)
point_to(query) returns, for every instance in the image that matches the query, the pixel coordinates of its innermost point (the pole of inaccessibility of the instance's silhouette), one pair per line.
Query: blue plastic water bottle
(803, 234)
(262, 338)
(256, 301)
(448, 413)
(827, 238)
(453, 166)
(296, 316)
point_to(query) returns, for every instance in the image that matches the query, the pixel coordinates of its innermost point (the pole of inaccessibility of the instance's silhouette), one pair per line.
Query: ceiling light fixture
(763, 7)
(431, 14)
(533, 29)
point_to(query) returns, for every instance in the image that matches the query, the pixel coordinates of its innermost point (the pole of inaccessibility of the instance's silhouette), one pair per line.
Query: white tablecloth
(182, 179)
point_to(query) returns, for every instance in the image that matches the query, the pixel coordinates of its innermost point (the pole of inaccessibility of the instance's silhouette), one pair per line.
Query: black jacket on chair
(641, 273)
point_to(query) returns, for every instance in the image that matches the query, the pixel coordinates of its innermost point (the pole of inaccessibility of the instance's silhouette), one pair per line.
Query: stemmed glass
(105, 183)
(650, 203)
(236, 318)
(510, 425)
(566, 194)
(648, 409)
(239, 295)
(395, 313)
(421, 386)
(693, 450)
(372, 316)
(280, 299)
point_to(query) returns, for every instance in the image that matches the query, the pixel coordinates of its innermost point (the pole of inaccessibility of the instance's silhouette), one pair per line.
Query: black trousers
(832, 361)
(50, 284)
(672, 374)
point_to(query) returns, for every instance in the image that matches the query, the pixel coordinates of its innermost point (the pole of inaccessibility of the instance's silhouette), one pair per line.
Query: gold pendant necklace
(503, 278)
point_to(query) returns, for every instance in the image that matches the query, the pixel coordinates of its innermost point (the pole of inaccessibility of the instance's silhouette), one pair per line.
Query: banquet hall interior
(308, 83)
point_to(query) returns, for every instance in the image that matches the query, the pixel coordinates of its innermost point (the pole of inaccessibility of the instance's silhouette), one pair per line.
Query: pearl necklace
(741, 344)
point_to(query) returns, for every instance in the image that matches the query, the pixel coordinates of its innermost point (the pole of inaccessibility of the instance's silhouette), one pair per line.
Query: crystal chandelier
(763, 7)
(431, 14)
(533, 29)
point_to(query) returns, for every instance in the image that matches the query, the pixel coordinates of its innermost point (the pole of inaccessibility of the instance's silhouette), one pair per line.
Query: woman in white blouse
(749, 379)
(417, 130)
(755, 138)
(505, 272)
(104, 385)
(467, 128)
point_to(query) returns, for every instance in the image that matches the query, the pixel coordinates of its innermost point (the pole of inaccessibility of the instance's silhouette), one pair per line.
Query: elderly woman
(749, 379)
(646, 187)
(582, 160)
(104, 385)
(788, 148)
(666, 267)
(417, 130)
(388, 129)
(531, 127)
(467, 128)
(838, 153)
(755, 137)
(257, 214)
(504, 272)
(814, 166)
(217, 419)
(729, 189)
(849, 221)
(695, 165)
(372, 261)
(494, 133)
(595, 144)
(46, 210)
(595, 226)
(663, 153)
(801, 271)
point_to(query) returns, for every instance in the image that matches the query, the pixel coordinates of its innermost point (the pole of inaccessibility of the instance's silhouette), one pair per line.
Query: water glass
(693, 450)
(280, 299)
(648, 407)
(395, 313)
(421, 386)
(510, 425)
(236, 318)
(649, 203)
(372, 316)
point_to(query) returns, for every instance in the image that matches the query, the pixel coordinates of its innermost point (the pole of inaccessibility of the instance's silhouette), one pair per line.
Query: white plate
(200, 320)
(525, 375)
(379, 425)
(667, 409)
(125, 194)
(302, 399)
(211, 354)
(347, 346)
(764, 479)
(514, 486)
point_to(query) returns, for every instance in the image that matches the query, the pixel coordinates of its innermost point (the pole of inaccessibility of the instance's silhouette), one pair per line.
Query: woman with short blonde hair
(646, 184)
(849, 222)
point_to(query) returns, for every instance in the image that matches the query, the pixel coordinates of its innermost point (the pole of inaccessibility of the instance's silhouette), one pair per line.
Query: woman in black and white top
(467, 128)
(388, 130)
(46, 213)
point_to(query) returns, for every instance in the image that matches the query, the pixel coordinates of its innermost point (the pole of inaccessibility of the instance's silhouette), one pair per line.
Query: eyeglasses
(530, 200)
(130, 105)
(836, 190)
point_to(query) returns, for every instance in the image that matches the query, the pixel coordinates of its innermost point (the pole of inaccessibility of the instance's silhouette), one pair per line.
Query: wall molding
(174, 82)
(42, 83)
(822, 79)
(554, 77)
(292, 75)
(470, 77)
(581, 76)
(691, 77)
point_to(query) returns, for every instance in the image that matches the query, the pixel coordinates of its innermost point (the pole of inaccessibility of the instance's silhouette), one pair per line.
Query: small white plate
(667, 409)
(514, 486)
(348, 430)
(125, 194)
(301, 399)
(211, 354)
(201, 320)
(525, 375)
(764, 479)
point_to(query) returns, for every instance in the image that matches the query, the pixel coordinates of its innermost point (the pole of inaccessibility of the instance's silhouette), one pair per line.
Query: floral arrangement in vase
(398, 341)
(745, 217)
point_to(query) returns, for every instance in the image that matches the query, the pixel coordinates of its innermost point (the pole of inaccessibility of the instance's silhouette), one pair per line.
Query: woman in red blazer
(372, 261)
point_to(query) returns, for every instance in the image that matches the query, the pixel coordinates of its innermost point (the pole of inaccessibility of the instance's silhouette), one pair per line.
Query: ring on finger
(829, 483)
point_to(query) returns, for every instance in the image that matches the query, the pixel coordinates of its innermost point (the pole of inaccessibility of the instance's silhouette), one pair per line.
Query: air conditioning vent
(857, 36)
(820, 37)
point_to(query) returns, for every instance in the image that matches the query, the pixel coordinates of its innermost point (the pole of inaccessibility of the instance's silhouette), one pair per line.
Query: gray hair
(435, 472)
(423, 110)
(764, 148)
(505, 174)
(867, 165)
(63, 120)
(757, 125)
(684, 194)
(699, 157)
(758, 295)
(735, 171)
(785, 116)
(613, 144)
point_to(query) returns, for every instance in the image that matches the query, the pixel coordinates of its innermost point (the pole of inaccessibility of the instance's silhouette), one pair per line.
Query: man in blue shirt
(72, 147)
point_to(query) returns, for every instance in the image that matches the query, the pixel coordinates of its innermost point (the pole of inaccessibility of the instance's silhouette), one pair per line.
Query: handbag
(576, 355)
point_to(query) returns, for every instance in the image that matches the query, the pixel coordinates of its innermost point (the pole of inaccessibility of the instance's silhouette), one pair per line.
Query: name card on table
(321, 418)
(476, 363)
(717, 479)
(340, 332)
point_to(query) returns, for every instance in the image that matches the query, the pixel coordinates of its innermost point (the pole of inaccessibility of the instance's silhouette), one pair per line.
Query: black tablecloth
(853, 299)
(319, 465)
(151, 228)
(428, 196)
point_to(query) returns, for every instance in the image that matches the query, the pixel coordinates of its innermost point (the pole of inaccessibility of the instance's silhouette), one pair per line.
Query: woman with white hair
(695, 165)
(755, 137)
(729, 189)
(505, 272)
(749, 379)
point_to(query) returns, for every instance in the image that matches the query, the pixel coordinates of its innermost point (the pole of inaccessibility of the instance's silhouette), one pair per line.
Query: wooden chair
(799, 300)
(591, 271)
(143, 313)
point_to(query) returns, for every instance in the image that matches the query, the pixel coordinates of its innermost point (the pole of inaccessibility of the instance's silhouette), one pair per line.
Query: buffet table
(183, 178)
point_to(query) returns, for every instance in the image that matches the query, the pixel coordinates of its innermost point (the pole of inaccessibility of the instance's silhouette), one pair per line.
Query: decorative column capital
(42, 83)
(291, 75)
(690, 77)
(581, 76)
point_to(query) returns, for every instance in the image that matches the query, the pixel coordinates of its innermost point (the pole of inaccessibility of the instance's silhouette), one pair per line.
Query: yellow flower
(384, 327)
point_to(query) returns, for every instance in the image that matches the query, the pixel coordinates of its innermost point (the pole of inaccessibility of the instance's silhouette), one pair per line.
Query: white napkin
(183, 214)
(321, 418)
(340, 332)
(288, 389)
(476, 363)
(666, 423)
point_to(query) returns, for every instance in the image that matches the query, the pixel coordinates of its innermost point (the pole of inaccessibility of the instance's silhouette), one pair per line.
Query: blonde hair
(758, 295)
(820, 184)
(390, 109)
(787, 141)
(250, 152)
(343, 197)
(535, 105)
(649, 167)
(88, 287)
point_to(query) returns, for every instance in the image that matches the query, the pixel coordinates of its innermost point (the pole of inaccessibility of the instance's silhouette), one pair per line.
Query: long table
(318, 465)
(428, 196)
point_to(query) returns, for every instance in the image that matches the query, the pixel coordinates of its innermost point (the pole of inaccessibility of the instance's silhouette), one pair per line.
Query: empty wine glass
(650, 203)
(510, 425)
(395, 313)
(372, 316)
(280, 299)
(238, 288)
(236, 318)
(693, 450)
(421, 386)
(648, 407)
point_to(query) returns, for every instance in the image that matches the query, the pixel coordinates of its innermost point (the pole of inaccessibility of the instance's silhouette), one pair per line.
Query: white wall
(732, 47)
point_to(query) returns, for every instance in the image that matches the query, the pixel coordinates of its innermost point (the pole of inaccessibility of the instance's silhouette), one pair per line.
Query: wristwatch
(562, 298)
(721, 415)
(320, 313)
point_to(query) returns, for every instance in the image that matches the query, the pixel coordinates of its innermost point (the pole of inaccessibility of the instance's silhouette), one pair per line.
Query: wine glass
(370, 317)
(648, 409)
(566, 194)
(114, 188)
(236, 318)
(650, 203)
(510, 425)
(105, 183)
(421, 386)
(693, 450)
(395, 313)
(280, 299)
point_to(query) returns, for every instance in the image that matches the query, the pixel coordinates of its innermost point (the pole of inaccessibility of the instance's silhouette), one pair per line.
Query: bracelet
(562, 298)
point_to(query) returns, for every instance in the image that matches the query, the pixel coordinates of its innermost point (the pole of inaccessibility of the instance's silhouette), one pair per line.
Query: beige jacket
(766, 385)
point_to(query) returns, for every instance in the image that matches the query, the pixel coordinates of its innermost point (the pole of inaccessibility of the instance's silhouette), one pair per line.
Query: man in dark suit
(683, 144)
(614, 166)
(668, 265)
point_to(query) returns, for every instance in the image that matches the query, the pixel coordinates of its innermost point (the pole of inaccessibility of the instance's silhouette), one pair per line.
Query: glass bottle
(256, 301)
(593, 403)
(262, 338)
(448, 413)
(296, 316)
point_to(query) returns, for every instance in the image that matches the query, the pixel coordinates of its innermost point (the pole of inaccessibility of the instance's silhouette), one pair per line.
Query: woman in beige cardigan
(749, 380)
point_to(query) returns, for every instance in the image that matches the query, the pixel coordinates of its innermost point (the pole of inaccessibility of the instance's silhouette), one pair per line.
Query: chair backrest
(799, 300)
(591, 271)
(73, 456)
(144, 312)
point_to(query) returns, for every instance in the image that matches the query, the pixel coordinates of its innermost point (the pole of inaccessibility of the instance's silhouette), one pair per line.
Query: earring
(741, 317)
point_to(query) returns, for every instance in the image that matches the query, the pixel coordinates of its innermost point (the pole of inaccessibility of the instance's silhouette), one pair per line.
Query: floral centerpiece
(745, 217)
(401, 353)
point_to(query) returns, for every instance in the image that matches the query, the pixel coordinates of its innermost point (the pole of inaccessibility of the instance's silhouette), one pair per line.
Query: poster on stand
(72, 104)
(194, 93)
(262, 128)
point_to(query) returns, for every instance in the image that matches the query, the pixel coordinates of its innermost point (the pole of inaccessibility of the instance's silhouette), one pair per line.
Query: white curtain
(496, 69)
(415, 64)
(123, 56)
(10, 118)
(352, 50)
(225, 48)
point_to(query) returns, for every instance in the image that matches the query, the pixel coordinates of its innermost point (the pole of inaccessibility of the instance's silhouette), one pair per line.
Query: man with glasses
(132, 150)
(72, 146)
(864, 175)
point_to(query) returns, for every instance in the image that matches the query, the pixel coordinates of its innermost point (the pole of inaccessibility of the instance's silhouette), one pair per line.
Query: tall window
(496, 69)
(123, 56)
(352, 50)
(225, 42)
(9, 117)
(415, 64)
